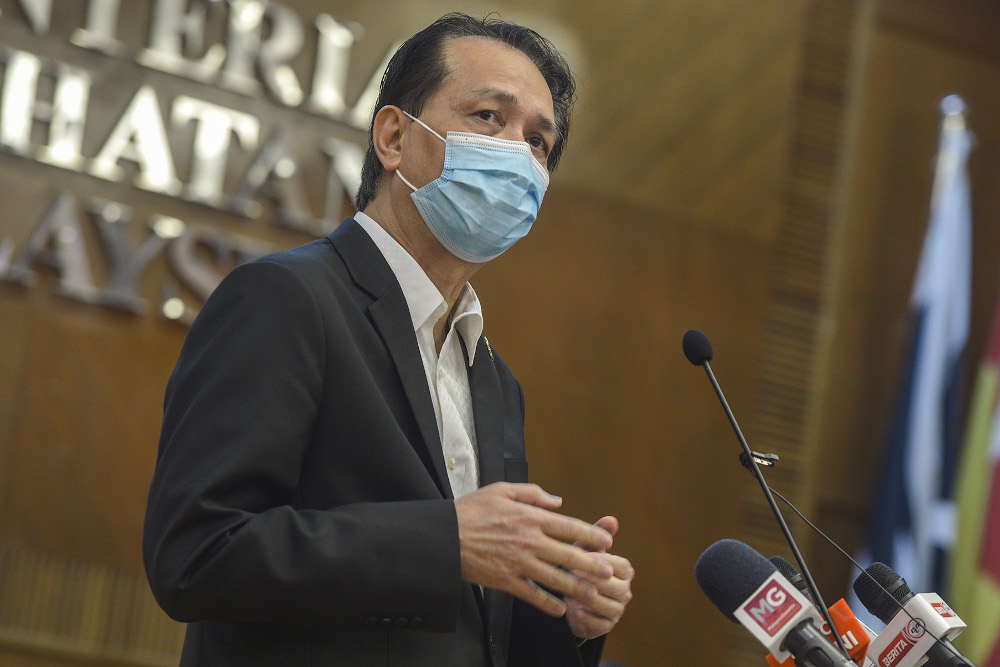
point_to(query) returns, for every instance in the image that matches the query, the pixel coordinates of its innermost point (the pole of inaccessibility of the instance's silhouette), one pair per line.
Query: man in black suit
(341, 477)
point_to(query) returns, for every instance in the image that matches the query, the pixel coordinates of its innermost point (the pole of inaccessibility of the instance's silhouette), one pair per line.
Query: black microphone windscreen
(786, 569)
(789, 572)
(728, 572)
(697, 349)
(868, 587)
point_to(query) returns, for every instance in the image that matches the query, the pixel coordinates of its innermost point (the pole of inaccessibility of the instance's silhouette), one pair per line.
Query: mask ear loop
(403, 178)
(424, 125)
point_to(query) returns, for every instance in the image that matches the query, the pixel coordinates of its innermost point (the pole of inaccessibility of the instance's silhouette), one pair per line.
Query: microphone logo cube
(772, 606)
(943, 609)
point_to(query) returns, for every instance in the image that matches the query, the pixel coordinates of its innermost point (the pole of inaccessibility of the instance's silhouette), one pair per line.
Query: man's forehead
(464, 58)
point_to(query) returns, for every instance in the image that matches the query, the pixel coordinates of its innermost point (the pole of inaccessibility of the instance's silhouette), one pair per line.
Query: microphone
(922, 629)
(698, 351)
(749, 590)
(855, 634)
(789, 572)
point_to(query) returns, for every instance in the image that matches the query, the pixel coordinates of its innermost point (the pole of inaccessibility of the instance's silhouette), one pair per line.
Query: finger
(535, 595)
(609, 603)
(558, 580)
(573, 531)
(611, 610)
(587, 625)
(608, 523)
(612, 594)
(532, 494)
(571, 558)
(622, 569)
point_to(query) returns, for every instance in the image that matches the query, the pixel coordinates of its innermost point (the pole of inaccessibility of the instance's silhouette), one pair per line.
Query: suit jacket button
(416, 622)
(386, 622)
(401, 622)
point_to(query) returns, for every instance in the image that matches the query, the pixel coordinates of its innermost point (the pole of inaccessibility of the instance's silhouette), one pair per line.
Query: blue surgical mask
(486, 198)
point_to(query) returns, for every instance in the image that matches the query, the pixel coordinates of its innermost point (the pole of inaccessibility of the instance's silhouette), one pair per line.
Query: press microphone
(696, 346)
(922, 628)
(795, 577)
(855, 635)
(748, 589)
(698, 351)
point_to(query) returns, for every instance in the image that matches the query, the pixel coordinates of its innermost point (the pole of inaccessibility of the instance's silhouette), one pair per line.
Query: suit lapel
(488, 414)
(391, 317)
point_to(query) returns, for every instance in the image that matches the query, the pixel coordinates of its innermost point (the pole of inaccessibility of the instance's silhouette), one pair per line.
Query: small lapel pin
(488, 348)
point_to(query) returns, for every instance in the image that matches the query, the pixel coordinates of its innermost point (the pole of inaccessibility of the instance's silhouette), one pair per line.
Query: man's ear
(387, 132)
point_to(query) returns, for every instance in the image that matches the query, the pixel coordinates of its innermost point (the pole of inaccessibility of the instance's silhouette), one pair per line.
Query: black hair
(418, 69)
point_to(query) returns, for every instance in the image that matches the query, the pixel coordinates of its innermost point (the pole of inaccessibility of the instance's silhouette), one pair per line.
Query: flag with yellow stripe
(974, 563)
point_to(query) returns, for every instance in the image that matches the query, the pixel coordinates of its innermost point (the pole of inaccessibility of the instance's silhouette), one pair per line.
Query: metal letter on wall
(126, 265)
(17, 104)
(361, 114)
(99, 34)
(173, 30)
(39, 12)
(216, 125)
(329, 87)
(58, 242)
(66, 114)
(346, 159)
(68, 118)
(141, 137)
(274, 175)
(247, 55)
(284, 44)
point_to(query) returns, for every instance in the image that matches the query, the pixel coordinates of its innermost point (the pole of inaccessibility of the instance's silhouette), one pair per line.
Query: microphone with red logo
(855, 635)
(749, 590)
(922, 628)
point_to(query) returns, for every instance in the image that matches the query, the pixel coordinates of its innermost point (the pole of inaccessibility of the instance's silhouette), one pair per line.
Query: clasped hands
(513, 540)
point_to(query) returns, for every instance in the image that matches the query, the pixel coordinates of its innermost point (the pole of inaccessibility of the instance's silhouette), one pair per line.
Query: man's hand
(511, 538)
(588, 620)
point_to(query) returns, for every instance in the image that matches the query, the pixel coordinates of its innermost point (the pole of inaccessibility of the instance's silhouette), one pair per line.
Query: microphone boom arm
(755, 469)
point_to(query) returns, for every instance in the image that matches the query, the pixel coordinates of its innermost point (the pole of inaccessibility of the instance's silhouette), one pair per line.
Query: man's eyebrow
(506, 97)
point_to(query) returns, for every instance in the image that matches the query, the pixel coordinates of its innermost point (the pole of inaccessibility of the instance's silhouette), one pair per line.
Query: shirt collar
(423, 299)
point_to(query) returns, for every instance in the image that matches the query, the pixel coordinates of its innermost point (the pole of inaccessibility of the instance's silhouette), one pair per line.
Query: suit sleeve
(223, 538)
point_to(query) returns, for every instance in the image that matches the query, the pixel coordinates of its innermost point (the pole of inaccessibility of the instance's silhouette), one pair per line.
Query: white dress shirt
(447, 377)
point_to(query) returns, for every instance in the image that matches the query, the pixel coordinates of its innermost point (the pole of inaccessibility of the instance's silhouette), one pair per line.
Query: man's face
(492, 89)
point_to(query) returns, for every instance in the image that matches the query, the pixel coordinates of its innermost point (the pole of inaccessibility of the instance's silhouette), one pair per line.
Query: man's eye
(488, 116)
(539, 144)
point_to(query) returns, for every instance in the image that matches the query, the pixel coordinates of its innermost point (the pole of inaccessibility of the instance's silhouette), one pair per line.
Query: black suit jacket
(300, 513)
